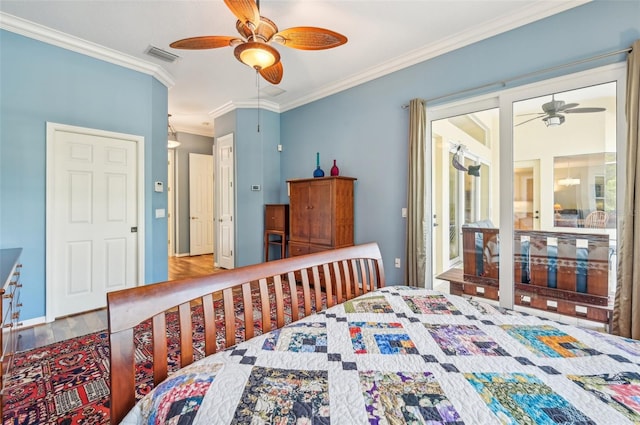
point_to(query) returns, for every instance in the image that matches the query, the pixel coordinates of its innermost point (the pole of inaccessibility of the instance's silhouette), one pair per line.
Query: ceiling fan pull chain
(258, 87)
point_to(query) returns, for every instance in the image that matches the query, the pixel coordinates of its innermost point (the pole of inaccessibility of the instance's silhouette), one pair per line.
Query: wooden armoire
(320, 214)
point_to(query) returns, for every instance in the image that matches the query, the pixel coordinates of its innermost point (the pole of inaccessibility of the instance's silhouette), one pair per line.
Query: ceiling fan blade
(566, 106)
(540, 114)
(530, 119)
(204, 42)
(583, 110)
(245, 10)
(309, 38)
(273, 74)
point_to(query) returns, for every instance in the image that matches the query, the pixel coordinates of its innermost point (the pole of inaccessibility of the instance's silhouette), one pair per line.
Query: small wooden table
(276, 223)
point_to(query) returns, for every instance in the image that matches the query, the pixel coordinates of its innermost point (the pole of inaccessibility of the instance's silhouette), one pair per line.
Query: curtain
(626, 312)
(416, 249)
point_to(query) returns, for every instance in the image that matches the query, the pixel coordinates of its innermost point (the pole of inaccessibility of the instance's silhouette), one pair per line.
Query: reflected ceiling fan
(554, 111)
(253, 47)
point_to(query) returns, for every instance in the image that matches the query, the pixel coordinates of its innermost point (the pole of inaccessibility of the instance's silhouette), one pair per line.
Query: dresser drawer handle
(8, 296)
(15, 315)
(8, 325)
(19, 324)
(19, 305)
(19, 285)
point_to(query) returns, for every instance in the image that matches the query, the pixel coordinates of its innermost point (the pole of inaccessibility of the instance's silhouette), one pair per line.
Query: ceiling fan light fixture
(569, 182)
(553, 120)
(257, 55)
(172, 137)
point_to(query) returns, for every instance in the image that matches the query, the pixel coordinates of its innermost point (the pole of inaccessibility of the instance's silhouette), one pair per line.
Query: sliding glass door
(572, 136)
(557, 140)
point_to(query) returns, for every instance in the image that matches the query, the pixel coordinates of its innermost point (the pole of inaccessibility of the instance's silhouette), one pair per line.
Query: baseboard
(182, 255)
(32, 322)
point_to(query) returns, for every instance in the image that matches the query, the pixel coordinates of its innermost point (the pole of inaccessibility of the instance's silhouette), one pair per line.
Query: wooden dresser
(320, 214)
(9, 311)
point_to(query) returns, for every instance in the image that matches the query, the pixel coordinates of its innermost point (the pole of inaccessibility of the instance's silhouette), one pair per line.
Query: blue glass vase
(318, 171)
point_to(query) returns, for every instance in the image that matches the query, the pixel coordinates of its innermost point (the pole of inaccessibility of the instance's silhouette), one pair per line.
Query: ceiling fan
(553, 112)
(253, 47)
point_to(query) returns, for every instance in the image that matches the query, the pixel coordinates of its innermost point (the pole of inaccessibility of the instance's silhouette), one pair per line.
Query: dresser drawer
(298, 249)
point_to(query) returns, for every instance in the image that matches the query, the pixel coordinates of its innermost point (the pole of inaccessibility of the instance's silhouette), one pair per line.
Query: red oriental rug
(68, 382)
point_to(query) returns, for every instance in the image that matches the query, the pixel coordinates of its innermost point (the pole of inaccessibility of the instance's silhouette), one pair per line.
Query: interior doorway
(526, 195)
(201, 231)
(171, 201)
(94, 217)
(225, 202)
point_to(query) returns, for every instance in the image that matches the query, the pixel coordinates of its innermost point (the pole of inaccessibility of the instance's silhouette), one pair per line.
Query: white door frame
(52, 128)
(171, 200)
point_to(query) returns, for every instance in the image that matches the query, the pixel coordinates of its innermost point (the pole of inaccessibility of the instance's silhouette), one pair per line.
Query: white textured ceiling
(384, 35)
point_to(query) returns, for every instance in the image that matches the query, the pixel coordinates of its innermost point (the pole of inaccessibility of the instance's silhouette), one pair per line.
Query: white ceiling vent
(158, 53)
(272, 91)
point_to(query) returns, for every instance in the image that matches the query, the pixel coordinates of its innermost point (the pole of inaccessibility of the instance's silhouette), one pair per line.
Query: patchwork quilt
(408, 356)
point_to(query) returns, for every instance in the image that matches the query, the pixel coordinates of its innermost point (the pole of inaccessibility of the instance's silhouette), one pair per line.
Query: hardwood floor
(94, 321)
(198, 265)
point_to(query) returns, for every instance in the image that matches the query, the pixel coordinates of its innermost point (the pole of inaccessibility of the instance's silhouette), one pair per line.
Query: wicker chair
(596, 220)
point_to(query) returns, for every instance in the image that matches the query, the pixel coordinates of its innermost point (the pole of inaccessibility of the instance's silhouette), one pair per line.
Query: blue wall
(366, 129)
(257, 162)
(39, 83)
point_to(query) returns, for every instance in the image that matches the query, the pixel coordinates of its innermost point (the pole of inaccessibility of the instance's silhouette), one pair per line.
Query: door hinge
(134, 229)
(230, 184)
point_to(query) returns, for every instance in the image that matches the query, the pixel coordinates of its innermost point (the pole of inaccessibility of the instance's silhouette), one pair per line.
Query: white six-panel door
(200, 204)
(225, 201)
(92, 217)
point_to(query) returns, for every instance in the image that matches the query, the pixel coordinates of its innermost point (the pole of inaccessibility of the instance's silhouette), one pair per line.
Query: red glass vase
(335, 170)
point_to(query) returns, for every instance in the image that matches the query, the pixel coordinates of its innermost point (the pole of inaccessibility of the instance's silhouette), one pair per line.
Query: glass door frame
(505, 99)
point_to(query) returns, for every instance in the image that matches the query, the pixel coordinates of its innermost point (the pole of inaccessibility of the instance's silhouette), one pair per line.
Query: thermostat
(158, 187)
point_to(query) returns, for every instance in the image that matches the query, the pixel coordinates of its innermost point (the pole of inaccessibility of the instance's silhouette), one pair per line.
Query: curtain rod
(503, 83)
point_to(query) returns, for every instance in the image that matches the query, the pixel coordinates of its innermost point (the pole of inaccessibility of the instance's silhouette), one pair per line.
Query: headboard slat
(128, 308)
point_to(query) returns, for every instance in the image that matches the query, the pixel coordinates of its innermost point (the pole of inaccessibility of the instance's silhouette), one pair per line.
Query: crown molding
(50, 36)
(193, 130)
(524, 16)
(245, 104)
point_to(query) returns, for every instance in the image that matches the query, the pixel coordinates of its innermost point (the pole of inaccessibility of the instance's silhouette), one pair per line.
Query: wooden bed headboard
(340, 274)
